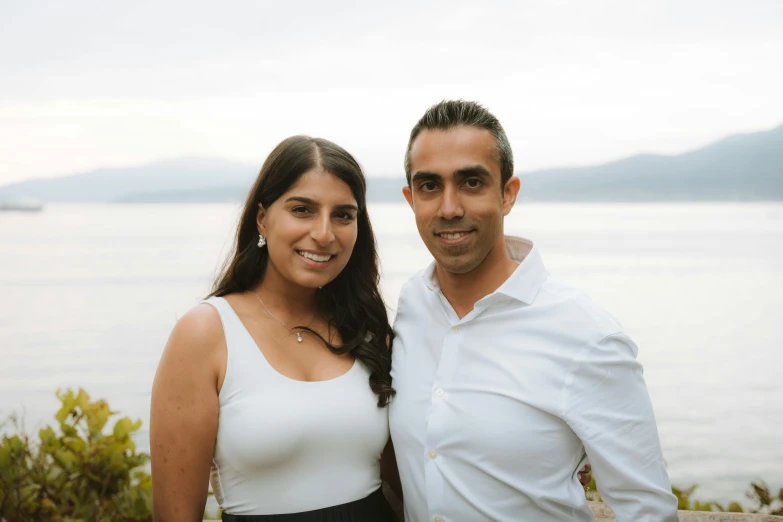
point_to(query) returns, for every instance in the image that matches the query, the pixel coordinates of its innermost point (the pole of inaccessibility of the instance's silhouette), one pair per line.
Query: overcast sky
(87, 84)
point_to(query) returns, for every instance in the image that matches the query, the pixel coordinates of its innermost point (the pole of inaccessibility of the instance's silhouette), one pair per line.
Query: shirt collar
(523, 285)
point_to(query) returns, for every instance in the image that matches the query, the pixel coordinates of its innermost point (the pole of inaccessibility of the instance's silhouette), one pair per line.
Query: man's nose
(322, 232)
(451, 204)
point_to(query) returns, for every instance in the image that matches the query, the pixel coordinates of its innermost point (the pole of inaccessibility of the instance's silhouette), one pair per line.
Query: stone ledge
(604, 514)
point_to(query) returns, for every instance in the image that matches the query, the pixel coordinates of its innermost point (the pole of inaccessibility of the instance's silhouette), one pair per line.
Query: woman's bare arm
(184, 416)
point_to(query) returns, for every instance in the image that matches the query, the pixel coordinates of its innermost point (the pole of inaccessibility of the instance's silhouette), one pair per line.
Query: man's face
(456, 196)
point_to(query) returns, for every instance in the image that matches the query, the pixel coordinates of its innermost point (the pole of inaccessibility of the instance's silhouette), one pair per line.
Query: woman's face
(310, 230)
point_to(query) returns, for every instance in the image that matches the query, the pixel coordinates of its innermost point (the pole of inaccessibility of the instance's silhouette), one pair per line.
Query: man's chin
(456, 264)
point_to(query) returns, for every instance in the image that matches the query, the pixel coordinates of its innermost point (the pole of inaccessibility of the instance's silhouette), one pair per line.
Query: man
(507, 379)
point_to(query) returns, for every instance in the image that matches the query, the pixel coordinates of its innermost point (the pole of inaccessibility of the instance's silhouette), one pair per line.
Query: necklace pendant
(298, 337)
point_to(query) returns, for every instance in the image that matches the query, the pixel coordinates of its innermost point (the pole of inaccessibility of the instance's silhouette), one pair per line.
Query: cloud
(96, 84)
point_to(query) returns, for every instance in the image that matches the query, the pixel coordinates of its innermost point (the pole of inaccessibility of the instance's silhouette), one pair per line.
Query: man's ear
(406, 191)
(260, 220)
(510, 192)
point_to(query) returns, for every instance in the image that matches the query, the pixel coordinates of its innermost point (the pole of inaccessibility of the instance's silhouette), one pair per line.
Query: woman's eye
(300, 210)
(347, 216)
(473, 183)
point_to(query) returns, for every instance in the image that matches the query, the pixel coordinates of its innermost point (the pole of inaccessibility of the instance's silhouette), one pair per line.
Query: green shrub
(763, 501)
(77, 472)
(685, 502)
(759, 494)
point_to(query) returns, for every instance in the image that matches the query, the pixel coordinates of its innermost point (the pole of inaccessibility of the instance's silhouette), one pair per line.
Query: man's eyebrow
(423, 175)
(309, 201)
(474, 171)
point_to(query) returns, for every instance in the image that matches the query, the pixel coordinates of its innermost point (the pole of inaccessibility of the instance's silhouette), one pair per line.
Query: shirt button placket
(435, 424)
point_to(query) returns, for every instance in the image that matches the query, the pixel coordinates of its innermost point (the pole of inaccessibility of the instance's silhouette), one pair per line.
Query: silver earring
(261, 241)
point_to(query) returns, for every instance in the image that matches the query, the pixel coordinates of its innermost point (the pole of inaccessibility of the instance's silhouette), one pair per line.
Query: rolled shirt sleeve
(607, 405)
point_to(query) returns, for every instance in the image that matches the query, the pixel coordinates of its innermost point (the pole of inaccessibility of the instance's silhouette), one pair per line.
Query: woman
(275, 387)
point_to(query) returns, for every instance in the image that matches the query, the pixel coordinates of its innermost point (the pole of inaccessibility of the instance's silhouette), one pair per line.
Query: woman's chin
(308, 281)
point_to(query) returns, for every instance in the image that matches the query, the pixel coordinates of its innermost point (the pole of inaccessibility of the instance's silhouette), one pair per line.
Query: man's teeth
(315, 257)
(455, 235)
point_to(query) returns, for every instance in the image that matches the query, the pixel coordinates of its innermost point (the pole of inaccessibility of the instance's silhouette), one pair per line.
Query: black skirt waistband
(372, 508)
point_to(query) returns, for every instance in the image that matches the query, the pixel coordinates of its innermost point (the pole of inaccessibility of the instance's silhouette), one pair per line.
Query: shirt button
(437, 519)
(439, 392)
(433, 454)
(455, 328)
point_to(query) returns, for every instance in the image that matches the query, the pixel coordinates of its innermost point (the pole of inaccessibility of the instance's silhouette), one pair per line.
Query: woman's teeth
(315, 257)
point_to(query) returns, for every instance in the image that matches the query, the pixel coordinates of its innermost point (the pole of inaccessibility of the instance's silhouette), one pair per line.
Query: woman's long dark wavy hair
(352, 301)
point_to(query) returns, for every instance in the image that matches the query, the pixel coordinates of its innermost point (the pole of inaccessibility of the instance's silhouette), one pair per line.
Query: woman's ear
(260, 220)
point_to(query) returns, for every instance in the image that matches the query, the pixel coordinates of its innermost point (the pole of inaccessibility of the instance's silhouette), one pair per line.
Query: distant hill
(744, 167)
(204, 176)
(173, 181)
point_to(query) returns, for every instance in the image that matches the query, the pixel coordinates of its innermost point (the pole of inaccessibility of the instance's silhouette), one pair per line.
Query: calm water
(89, 293)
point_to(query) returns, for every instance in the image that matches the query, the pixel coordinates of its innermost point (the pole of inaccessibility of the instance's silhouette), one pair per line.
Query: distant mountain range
(743, 167)
(183, 179)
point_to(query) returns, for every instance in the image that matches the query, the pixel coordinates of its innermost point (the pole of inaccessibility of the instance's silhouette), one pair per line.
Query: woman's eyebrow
(347, 206)
(302, 199)
(309, 201)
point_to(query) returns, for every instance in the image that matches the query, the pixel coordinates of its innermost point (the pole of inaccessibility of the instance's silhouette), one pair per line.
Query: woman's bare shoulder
(200, 330)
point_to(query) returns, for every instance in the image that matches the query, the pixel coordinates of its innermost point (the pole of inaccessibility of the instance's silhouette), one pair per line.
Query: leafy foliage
(764, 501)
(76, 473)
(685, 502)
(759, 494)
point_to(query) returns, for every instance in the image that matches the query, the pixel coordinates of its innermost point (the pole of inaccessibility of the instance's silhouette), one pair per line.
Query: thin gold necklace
(297, 333)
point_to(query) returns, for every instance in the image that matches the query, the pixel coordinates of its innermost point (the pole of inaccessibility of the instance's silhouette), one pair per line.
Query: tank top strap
(232, 325)
(244, 356)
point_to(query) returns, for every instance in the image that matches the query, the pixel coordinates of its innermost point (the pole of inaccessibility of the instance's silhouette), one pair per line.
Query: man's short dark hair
(453, 113)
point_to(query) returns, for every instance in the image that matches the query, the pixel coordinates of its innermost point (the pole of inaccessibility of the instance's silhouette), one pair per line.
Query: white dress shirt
(496, 412)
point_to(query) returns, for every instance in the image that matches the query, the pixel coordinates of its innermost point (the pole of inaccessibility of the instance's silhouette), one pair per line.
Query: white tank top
(285, 446)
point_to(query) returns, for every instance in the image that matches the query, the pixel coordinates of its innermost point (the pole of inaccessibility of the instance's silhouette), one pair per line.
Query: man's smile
(454, 237)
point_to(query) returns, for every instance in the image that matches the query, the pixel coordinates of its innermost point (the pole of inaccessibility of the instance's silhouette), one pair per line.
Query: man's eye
(473, 183)
(428, 186)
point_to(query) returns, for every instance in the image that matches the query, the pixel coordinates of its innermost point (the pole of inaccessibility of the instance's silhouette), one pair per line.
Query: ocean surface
(89, 294)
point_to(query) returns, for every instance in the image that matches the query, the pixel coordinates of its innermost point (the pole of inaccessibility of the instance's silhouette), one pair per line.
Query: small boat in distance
(21, 205)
